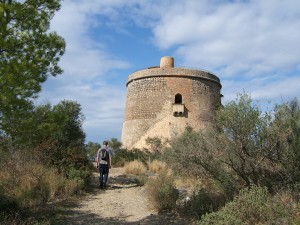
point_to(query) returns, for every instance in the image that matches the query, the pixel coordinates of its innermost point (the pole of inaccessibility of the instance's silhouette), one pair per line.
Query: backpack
(104, 154)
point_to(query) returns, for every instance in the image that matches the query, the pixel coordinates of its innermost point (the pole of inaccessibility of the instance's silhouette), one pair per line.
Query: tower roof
(167, 69)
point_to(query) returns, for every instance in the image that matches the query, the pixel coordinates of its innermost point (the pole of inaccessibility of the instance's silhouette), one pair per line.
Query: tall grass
(135, 168)
(29, 184)
(156, 166)
(162, 192)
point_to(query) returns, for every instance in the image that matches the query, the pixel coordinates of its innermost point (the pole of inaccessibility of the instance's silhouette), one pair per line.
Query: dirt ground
(123, 202)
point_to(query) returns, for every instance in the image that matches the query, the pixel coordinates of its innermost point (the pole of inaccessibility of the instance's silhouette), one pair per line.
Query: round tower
(162, 101)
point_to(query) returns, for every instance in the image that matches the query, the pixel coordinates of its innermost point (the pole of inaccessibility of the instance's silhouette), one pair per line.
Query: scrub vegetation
(248, 165)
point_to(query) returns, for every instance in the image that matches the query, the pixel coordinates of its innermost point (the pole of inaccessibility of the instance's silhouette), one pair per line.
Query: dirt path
(123, 202)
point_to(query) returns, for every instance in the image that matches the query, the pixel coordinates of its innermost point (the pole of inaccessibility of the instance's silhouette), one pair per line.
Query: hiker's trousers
(103, 170)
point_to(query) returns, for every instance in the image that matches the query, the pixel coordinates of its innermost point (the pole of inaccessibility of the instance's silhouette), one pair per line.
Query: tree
(91, 149)
(55, 135)
(114, 144)
(251, 147)
(285, 134)
(29, 53)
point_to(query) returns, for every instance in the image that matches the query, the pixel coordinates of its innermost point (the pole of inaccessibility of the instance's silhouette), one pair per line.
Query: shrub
(27, 183)
(30, 186)
(73, 186)
(296, 216)
(249, 147)
(202, 202)
(141, 179)
(252, 206)
(16, 219)
(135, 167)
(156, 166)
(8, 204)
(56, 184)
(81, 174)
(161, 191)
(155, 143)
(121, 156)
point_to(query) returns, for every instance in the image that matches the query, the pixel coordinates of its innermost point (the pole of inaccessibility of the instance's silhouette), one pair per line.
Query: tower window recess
(178, 99)
(178, 107)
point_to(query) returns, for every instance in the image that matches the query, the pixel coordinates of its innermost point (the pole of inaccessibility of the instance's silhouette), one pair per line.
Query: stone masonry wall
(150, 98)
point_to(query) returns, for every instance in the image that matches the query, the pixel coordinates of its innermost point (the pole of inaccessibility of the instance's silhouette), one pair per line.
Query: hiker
(103, 162)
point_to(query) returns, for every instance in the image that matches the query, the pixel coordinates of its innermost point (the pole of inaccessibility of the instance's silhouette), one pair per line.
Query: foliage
(285, 134)
(114, 144)
(193, 150)
(250, 147)
(55, 135)
(201, 202)
(8, 204)
(91, 150)
(156, 166)
(252, 206)
(141, 179)
(162, 192)
(261, 149)
(121, 156)
(28, 54)
(17, 219)
(42, 148)
(79, 174)
(28, 183)
(48, 161)
(154, 143)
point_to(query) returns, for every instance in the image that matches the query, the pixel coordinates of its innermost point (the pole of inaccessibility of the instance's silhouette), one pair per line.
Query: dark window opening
(178, 99)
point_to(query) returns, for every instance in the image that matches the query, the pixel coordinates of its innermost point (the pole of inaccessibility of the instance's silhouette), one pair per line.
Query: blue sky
(252, 46)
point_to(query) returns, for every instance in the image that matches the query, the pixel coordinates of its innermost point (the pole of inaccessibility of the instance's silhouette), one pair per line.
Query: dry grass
(161, 191)
(157, 166)
(56, 184)
(191, 184)
(135, 168)
(32, 184)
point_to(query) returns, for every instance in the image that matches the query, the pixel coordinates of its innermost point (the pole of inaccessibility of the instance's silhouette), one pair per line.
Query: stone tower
(161, 101)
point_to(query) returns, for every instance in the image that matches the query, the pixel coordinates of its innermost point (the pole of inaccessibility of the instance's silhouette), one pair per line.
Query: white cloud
(85, 58)
(87, 66)
(251, 45)
(249, 36)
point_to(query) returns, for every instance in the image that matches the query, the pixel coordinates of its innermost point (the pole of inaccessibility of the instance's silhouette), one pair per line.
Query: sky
(253, 46)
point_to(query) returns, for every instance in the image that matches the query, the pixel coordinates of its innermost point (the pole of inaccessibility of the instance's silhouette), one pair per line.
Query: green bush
(202, 156)
(252, 206)
(121, 156)
(73, 186)
(8, 204)
(81, 174)
(27, 183)
(249, 147)
(16, 219)
(162, 191)
(202, 202)
(141, 179)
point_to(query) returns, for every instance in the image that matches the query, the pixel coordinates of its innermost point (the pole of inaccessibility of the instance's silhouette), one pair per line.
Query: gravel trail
(123, 202)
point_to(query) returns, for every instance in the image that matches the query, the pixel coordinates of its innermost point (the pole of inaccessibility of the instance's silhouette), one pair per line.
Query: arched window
(178, 99)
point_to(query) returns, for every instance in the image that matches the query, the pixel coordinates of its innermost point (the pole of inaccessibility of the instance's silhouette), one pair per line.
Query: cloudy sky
(252, 46)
